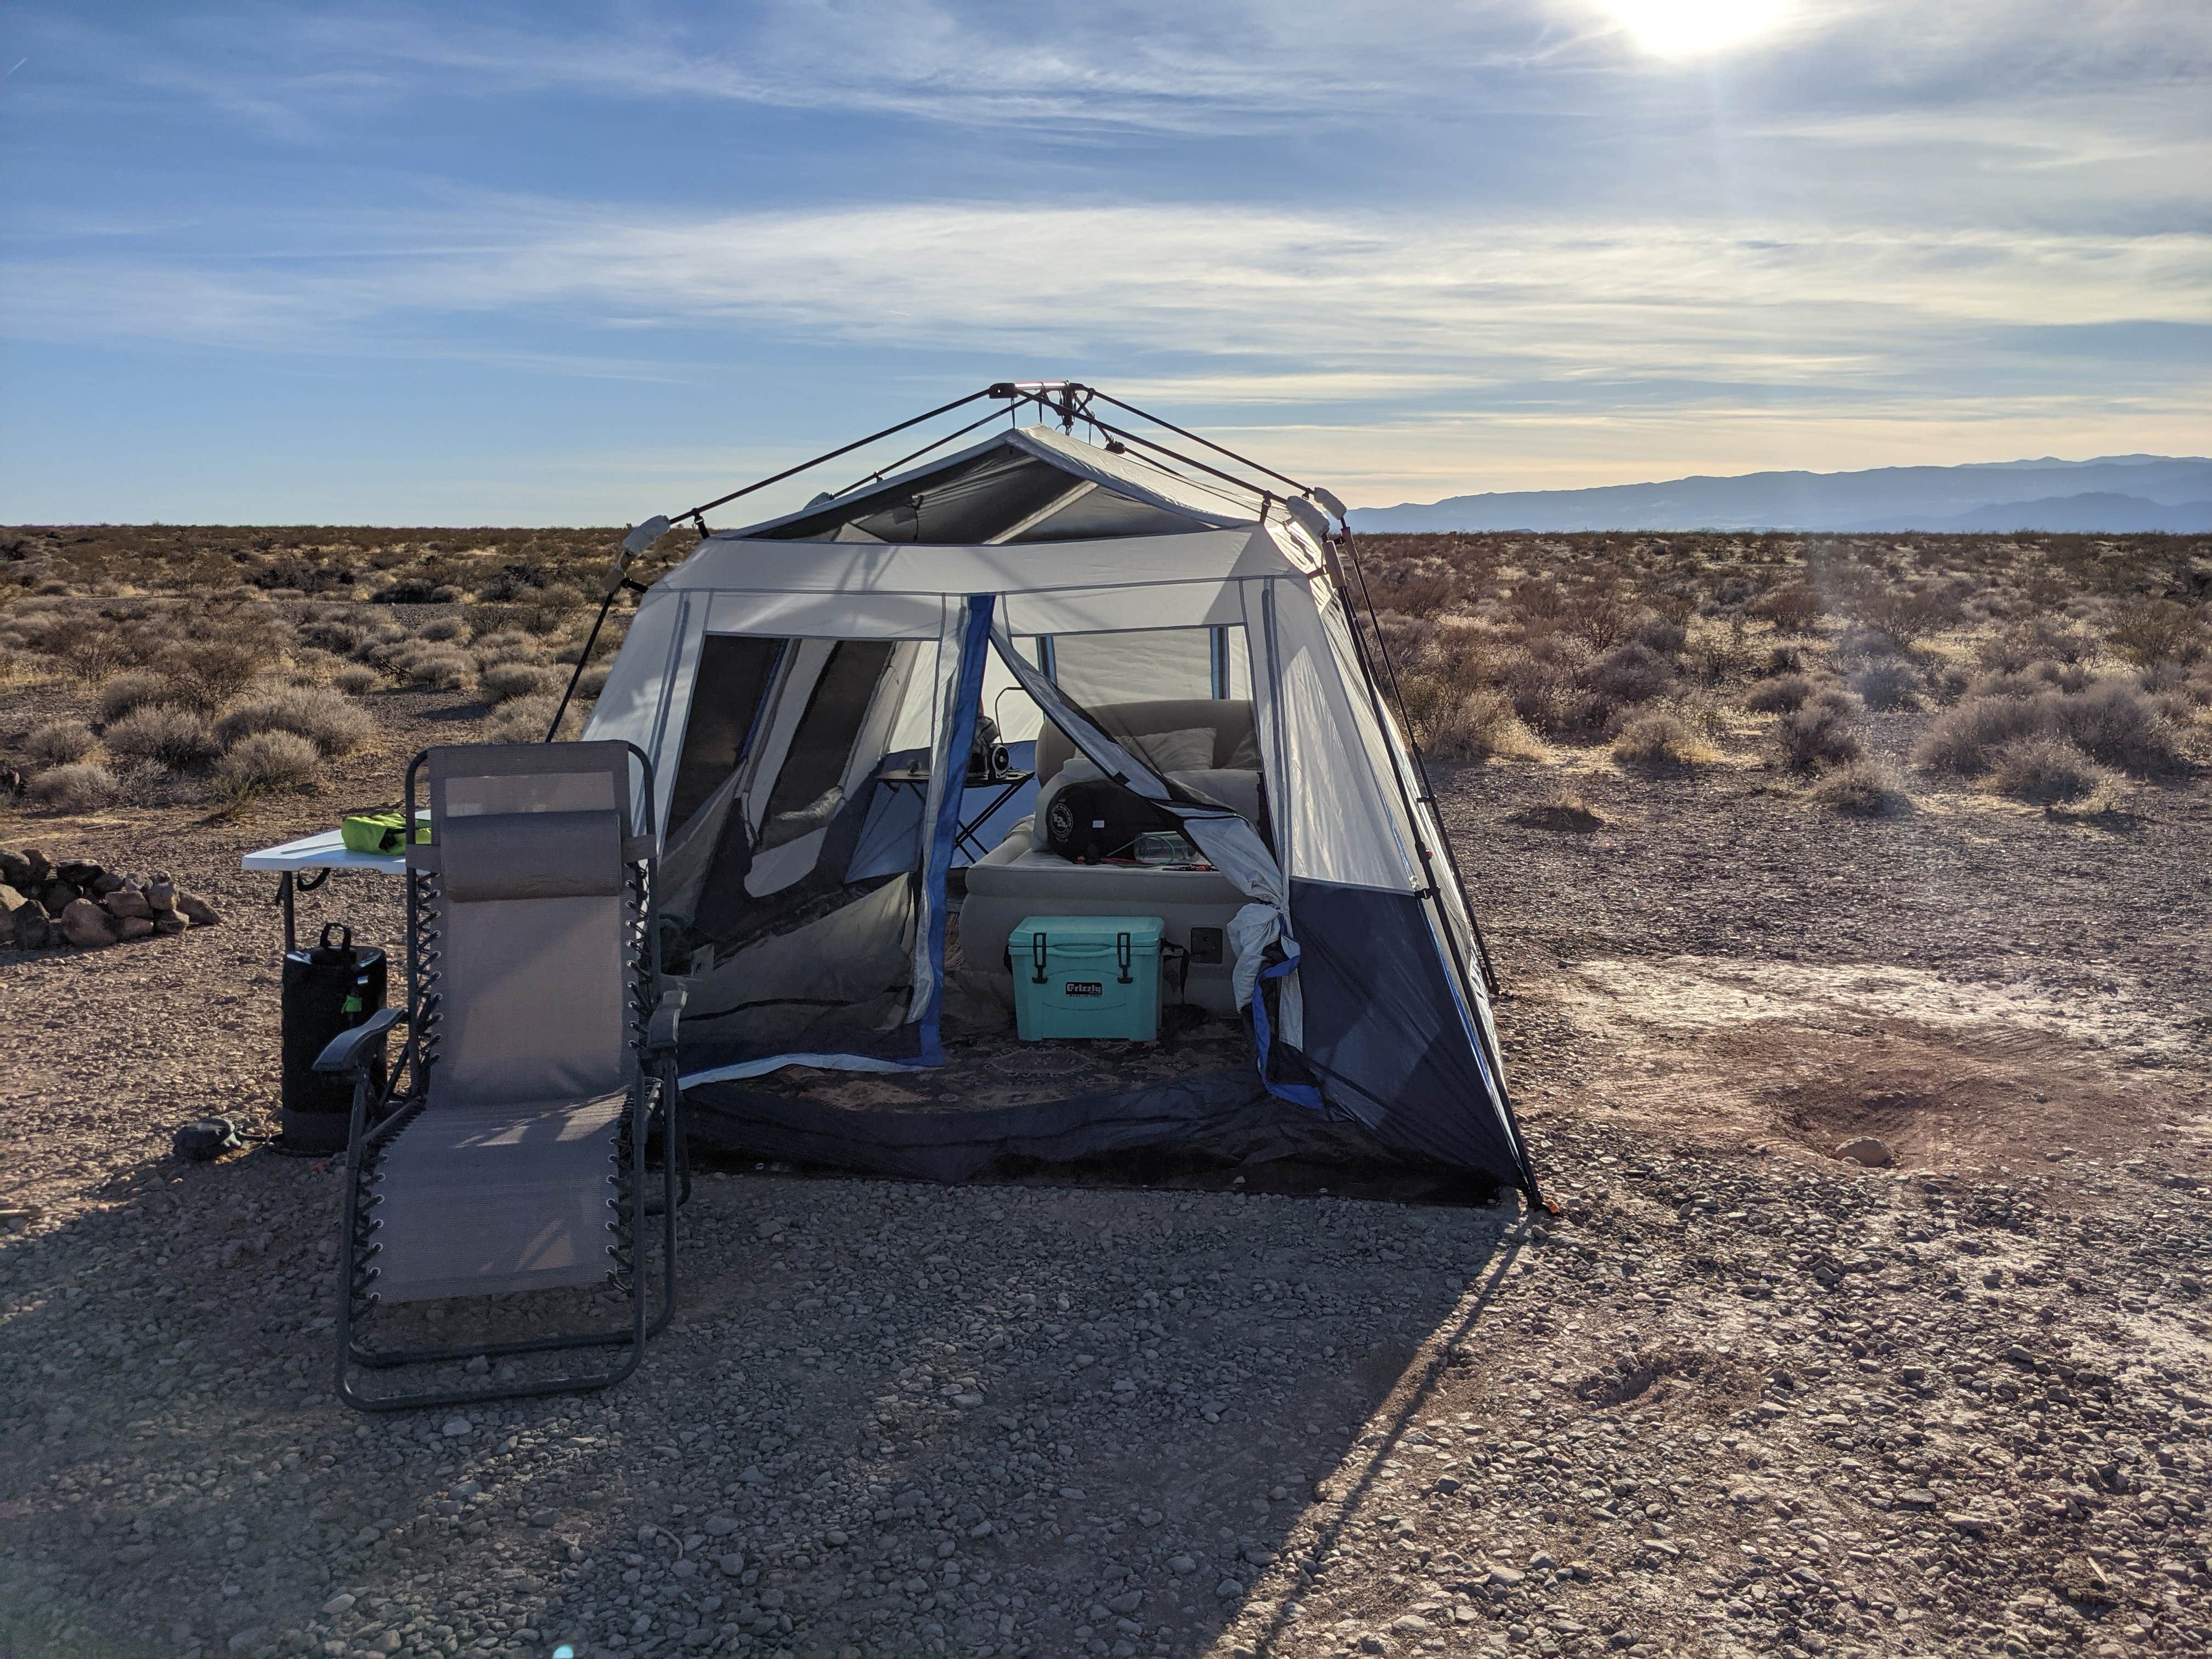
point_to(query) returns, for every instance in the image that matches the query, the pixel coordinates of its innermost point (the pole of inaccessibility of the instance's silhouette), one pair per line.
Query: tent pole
(847, 449)
(1218, 449)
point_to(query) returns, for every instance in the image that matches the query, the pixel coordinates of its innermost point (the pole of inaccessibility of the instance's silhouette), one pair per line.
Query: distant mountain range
(2116, 493)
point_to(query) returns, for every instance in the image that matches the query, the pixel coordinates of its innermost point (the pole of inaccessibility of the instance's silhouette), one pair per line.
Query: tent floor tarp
(1000, 1108)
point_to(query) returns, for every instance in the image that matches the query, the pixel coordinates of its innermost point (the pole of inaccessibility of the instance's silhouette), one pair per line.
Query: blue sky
(578, 264)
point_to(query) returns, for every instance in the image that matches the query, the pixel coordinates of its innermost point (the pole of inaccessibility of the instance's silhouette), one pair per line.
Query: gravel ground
(1737, 1398)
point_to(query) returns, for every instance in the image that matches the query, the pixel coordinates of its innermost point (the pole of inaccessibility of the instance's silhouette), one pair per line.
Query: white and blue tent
(809, 689)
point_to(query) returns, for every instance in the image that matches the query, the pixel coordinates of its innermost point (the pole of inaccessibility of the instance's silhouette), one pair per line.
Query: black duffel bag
(1098, 819)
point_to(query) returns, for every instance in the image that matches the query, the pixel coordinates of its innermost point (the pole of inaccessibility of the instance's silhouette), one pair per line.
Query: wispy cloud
(1217, 281)
(1441, 245)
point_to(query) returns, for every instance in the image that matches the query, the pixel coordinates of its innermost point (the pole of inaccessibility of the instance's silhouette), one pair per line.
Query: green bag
(384, 830)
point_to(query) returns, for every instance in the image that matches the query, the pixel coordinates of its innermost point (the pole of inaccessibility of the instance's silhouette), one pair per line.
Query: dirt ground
(1737, 1397)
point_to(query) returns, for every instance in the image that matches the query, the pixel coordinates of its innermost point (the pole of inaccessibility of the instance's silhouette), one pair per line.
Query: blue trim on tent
(1298, 1094)
(953, 758)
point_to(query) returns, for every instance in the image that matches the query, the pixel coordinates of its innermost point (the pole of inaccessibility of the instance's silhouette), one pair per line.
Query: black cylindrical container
(328, 988)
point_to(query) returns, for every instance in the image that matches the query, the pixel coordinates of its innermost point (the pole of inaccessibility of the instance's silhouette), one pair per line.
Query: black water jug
(329, 988)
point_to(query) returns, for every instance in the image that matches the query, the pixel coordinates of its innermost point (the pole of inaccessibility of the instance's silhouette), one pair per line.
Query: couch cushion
(1229, 720)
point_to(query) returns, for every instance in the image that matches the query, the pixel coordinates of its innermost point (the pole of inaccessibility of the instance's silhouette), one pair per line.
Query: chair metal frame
(379, 1118)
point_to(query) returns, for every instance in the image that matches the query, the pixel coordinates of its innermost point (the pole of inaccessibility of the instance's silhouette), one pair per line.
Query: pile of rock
(43, 903)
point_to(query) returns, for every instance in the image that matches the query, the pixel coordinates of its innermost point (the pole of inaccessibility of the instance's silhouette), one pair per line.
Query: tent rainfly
(810, 688)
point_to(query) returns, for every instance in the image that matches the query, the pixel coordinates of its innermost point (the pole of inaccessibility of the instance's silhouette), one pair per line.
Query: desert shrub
(506, 645)
(1964, 739)
(209, 673)
(1779, 696)
(132, 690)
(1715, 657)
(165, 732)
(1785, 659)
(80, 787)
(2033, 681)
(503, 682)
(1819, 733)
(1792, 609)
(1862, 788)
(443, 627)
(382, 642)
(1860, 643)
(445, 666)
(1907, 614)
(1465, 726)
(263, 761)
(594, 680)
(1631, 673)
(340, 635)
(1547, 697)
(2119, 725)
(2039, 639)
(2147, 631)
(329, 719)
(91, 651)
(356, 679)
(1659, 737)
(524, 720)
(60, 742)
(1663, 634)
(2043, 770)
(1891, 684)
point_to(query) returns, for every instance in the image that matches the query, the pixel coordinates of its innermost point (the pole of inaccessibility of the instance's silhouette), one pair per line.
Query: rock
(13, 905)
(1228, 1589)
(169, 927)
(197, 911)
(84, 923)
(1868, 1150)
(14, 869)
(130, 927)
(127, 902)
(58, 895)
(337, 1604)
(81, 873)
(32, 928)
(733, 1564)
(37, 869)
(104, 883)
(162, 896)
(456, 1426)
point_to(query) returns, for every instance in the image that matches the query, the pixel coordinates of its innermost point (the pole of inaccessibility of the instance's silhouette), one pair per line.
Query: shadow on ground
(888, 1417)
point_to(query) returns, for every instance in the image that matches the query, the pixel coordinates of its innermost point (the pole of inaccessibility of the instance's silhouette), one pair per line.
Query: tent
(810, 690)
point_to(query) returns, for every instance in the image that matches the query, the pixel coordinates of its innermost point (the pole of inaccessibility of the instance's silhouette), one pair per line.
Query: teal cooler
(1086, 976)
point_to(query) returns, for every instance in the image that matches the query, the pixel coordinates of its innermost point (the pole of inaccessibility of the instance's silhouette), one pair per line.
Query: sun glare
(1684, 28)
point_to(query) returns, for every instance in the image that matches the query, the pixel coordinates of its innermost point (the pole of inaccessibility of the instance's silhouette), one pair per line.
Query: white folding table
(304, 865)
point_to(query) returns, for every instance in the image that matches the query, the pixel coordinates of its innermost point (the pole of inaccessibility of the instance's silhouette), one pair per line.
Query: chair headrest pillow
(530, 855)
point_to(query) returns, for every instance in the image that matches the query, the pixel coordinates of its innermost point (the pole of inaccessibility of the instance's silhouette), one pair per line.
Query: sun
(1687, 29)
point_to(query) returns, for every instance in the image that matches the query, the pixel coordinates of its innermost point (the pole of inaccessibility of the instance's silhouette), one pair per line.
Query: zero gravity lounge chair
(507, 1152)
